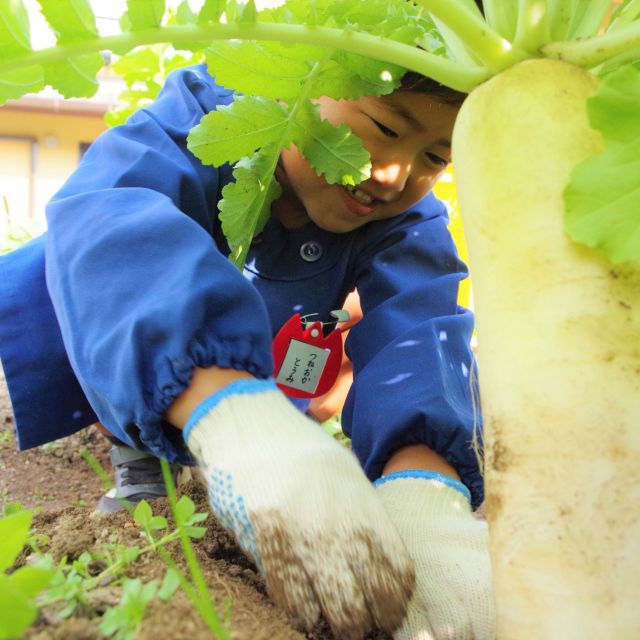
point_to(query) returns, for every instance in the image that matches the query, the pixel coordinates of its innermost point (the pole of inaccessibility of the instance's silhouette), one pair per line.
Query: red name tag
(306, 362)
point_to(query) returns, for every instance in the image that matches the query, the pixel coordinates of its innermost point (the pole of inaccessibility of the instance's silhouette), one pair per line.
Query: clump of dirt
(57, 482)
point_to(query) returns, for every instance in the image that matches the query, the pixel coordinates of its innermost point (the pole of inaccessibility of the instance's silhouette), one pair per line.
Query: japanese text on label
(302, 366)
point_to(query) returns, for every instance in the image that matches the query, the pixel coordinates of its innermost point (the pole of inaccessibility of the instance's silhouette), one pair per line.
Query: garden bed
(55, 481)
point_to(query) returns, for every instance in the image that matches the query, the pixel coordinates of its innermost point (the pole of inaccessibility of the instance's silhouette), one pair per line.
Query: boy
(161, 334)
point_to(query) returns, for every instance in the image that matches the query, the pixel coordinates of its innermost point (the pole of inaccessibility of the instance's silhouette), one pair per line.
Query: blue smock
(139, 291)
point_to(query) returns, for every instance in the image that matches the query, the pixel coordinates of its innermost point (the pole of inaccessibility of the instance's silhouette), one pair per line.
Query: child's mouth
(359, 195)
(358, 202)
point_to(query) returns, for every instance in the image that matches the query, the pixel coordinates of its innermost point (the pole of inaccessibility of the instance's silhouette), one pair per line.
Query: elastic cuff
(238, 387)
(426, 475)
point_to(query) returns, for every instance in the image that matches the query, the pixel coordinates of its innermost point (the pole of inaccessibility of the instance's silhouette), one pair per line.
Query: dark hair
(412, 81)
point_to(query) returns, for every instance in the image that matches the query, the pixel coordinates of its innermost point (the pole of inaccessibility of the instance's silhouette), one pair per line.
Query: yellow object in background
(445, 190)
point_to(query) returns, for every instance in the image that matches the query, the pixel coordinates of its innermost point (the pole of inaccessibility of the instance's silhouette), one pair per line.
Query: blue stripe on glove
(238, 387)
(427, 475)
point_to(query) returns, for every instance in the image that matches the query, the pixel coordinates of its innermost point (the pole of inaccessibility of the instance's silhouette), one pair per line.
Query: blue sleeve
(141, 291)
(414, 372)
(45, 396)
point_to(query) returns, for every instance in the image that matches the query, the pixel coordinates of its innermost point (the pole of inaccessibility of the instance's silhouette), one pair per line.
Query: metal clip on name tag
(306, 361)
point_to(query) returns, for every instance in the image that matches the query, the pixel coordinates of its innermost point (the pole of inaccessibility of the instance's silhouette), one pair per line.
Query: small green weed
(68, 584)
(123, 621)
(186, 522)
(18, 589)
(72, 581)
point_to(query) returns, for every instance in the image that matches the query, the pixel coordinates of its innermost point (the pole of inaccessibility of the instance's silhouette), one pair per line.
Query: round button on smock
(311, 251)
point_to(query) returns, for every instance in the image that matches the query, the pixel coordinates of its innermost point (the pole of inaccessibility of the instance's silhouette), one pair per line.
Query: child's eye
(436, 159)
(385, 130)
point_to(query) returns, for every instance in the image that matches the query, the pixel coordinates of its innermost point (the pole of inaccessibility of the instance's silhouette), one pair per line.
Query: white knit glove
(453, 599)
(301, 507)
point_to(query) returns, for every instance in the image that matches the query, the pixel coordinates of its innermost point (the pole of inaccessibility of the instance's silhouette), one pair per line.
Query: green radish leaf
(238, 130)
(184, 14)
(70, 20)
(602, 200)
(141, 65)
(142, 14)
(231, 10)
(246, 204)
(334, 152)
(14, 29)
(370, 71)
(14, 84)
(211, 11)
(129, 101)
(614, 110)
(147, 69)
(75, 77)
(336, 78)
(14, 531)
(247, 12)
(16, 612)
(603, 203)
(279, 70)
(241, 11)
(389, 18)
(257, 68)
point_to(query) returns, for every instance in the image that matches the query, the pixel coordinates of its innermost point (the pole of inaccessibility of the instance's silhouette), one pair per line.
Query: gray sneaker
(138, 476)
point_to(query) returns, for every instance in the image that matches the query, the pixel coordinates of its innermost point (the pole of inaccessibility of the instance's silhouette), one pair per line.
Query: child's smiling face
(408, 135)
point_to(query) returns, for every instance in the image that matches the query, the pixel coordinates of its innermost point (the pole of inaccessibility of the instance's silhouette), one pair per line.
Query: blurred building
(42, 138)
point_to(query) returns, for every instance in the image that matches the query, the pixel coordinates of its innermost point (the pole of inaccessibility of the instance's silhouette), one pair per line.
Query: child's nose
(391, 176)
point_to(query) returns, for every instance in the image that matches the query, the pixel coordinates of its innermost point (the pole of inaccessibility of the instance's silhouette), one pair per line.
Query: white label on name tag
(302, 367)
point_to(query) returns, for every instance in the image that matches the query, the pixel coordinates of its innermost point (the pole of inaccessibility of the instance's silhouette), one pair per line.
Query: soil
(55, 481)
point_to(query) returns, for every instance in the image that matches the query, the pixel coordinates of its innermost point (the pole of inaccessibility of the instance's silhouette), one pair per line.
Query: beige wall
(38, 151)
